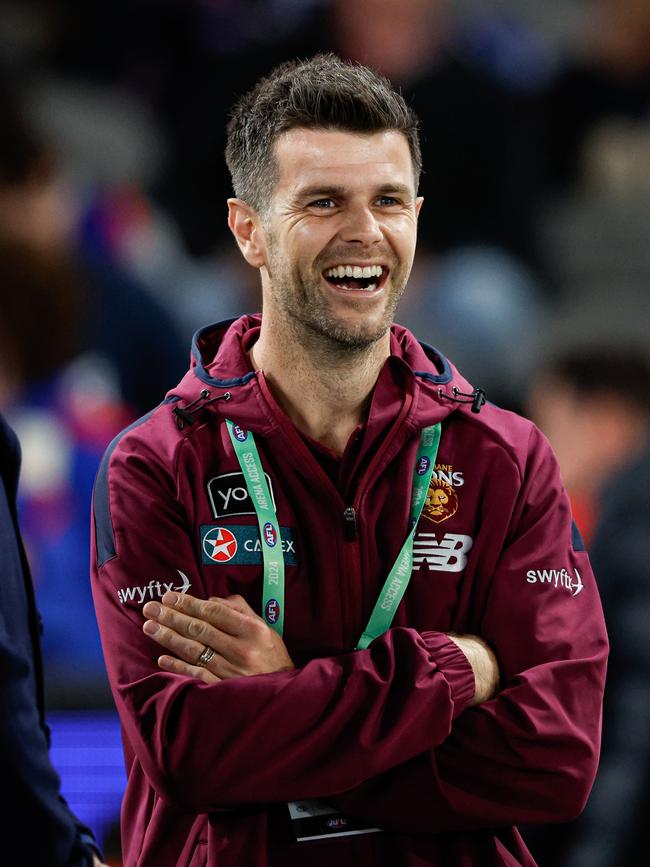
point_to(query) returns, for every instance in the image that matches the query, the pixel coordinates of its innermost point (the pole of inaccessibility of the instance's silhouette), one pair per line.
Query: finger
(178, 666)
(182, 634)
(213, 611)
(197, 628)
(186, 653)
(238, 603)
(179, 645)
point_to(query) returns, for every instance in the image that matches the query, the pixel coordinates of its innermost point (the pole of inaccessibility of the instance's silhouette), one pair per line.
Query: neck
(323, 386)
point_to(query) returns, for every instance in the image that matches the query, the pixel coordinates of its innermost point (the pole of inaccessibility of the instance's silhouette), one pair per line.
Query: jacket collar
(221, 372)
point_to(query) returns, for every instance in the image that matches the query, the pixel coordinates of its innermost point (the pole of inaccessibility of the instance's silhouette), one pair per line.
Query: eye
(387, 201)
(323, 204)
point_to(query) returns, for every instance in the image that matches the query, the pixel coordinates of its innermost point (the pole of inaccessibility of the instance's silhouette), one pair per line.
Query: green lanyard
(251, 466)
(399, 576)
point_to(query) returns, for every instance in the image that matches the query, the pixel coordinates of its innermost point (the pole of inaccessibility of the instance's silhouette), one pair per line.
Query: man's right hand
(484, 665)
(242, 643)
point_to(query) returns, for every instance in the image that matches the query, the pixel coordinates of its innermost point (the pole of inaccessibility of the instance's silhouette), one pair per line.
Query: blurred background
(532, 274)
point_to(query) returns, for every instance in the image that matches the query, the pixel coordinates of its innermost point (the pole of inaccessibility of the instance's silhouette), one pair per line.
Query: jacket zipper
(350, 524)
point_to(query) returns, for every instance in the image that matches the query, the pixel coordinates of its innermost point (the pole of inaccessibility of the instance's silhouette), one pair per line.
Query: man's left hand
(242, 642)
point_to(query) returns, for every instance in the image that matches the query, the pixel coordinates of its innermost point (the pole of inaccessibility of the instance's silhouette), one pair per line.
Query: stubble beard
(299, 296)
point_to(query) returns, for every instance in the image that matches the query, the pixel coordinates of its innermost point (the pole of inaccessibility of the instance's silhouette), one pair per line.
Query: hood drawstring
(183, 414)
(475, 397)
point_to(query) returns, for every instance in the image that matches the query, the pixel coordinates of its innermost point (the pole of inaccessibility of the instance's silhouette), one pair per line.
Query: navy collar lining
(204, 376)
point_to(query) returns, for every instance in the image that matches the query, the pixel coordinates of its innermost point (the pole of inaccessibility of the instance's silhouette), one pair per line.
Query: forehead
(310, 157)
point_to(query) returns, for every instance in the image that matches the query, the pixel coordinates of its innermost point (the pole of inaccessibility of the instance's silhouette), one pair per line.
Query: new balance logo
(447, 555)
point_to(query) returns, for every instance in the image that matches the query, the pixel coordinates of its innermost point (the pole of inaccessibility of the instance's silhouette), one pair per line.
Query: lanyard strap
(273, 559)
(400, 575)
(273, 581)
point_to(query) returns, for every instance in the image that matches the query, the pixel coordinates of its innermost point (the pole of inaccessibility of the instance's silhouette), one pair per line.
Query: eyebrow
(402, 189)
(319, 191)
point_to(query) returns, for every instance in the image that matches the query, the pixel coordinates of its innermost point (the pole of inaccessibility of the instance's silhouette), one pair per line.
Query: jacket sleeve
(303, 733)
(531, 753)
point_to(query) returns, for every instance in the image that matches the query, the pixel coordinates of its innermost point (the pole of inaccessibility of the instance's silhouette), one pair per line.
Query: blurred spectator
(65, 405)
(37, 829)
(40, 209)
(599, 103)
(594, 405)
(475, 303)
(82, 351)
(480, 131)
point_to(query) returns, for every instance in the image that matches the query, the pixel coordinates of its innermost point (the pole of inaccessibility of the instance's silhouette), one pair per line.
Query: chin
(347, 335)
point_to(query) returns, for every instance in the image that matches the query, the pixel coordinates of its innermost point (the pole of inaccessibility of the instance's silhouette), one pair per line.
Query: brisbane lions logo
(441, 502)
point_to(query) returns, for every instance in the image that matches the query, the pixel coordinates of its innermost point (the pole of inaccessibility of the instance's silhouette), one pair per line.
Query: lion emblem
(441, 502)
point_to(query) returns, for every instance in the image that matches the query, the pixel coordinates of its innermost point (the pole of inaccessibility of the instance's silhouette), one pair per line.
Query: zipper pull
(350, 517)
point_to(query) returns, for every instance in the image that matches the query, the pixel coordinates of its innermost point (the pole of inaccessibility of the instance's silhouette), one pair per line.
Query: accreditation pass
(316, 820)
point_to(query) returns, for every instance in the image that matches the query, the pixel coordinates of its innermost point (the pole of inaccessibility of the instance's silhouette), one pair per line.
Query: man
(37, 828)
(339, 645)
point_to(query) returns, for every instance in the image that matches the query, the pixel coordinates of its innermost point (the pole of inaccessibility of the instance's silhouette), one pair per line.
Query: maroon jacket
(385, 733)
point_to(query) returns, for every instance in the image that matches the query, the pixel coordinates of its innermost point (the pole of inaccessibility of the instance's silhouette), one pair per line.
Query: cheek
(311, 235)
(402, 235)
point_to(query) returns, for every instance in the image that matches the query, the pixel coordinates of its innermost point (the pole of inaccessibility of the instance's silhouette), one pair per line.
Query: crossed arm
(405, 697)
(244, 645)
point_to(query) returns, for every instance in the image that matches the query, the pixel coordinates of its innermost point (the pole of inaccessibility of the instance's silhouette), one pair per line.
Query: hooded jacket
(386, 734)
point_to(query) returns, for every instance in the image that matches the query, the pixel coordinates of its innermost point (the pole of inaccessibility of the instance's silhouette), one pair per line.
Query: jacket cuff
(454, 665)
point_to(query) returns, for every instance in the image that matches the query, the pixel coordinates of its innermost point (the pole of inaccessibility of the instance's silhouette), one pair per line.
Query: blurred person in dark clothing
(42, 212)
(500, 120)
(480, 136)
(70, 324)
(594, 405)
(37, 828)
(65, 407)
(608, 78)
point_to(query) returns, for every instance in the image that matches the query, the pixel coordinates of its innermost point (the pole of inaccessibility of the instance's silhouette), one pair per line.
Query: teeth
(368, 288)
(355, 271)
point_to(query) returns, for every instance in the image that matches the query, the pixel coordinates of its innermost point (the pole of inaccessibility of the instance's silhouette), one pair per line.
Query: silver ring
(205, 657)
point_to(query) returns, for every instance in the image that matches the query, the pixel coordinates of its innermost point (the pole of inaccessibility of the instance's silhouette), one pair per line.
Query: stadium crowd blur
(534, 239)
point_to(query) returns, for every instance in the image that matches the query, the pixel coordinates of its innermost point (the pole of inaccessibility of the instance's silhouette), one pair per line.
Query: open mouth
(359, 278)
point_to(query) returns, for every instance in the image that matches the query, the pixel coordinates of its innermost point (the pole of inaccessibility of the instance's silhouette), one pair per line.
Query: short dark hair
(323, 92)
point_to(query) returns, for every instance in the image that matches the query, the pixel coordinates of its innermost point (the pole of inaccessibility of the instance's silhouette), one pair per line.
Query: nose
(361, 226)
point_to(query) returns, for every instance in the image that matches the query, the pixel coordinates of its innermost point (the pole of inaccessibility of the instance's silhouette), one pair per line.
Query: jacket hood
(220, 376)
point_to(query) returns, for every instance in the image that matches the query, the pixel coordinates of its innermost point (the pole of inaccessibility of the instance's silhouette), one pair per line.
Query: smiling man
(356, 676)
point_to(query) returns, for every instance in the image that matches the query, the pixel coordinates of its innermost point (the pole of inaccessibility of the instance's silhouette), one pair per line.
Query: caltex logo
(272, 611)
(423, 465)
(219, 544)
(239, 432)
(270, 536)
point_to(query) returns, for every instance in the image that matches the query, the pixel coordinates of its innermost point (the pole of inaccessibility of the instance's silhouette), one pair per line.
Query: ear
(244, 223)
(418, 205)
